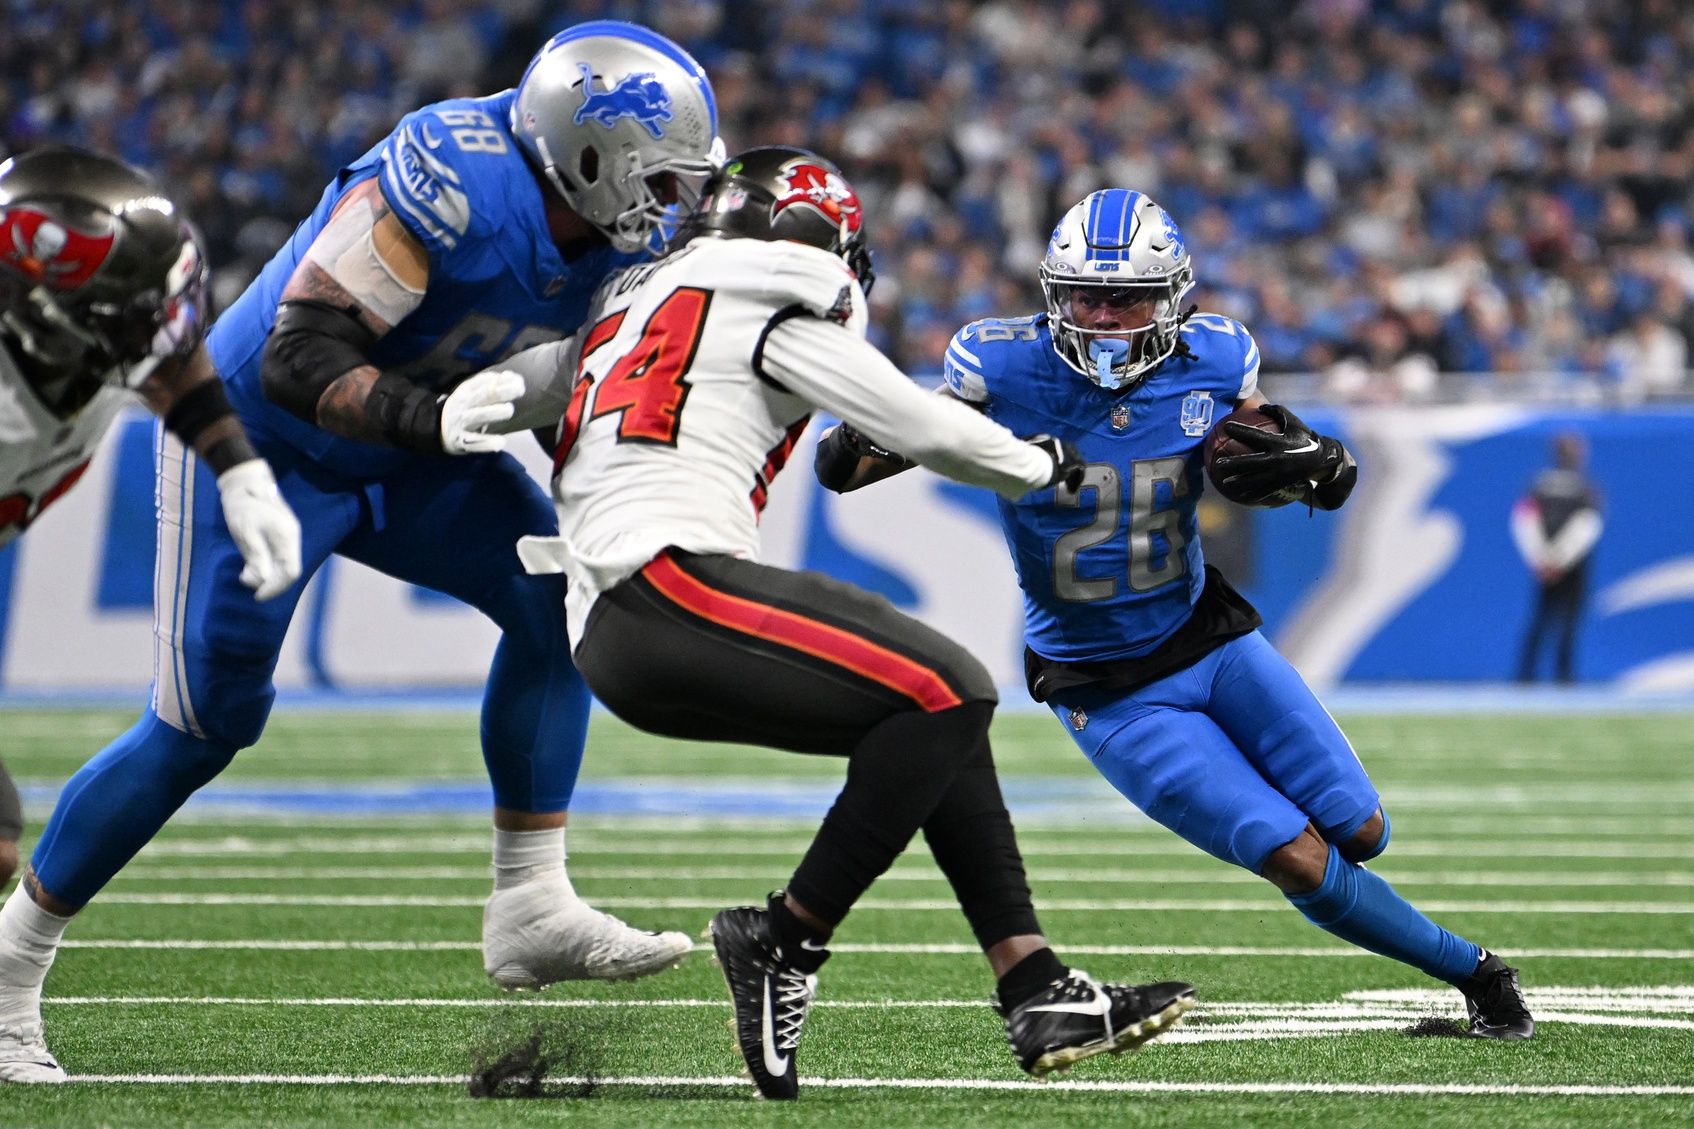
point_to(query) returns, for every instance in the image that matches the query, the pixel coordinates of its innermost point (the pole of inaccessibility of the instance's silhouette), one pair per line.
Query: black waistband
(1220, 614)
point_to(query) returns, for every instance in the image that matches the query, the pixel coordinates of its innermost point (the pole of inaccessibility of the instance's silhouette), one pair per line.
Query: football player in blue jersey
(1149, 658)
(479, 227)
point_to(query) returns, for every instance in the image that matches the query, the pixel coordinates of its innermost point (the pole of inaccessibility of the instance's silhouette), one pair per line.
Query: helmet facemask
(1115, 334)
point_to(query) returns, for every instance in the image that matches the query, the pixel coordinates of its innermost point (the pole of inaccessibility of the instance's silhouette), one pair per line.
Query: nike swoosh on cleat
(1100, 1005)
(775, 1063)
(812, 947)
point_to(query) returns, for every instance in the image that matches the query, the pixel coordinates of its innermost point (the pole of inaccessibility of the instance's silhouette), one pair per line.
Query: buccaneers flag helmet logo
(45, 251)
(807, 185)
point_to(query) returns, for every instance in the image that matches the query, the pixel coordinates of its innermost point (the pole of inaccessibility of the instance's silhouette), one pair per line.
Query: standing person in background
(1556, 526)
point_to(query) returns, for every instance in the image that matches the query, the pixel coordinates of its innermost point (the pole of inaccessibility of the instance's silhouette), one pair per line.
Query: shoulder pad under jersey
(981, 348)
(1225, 343)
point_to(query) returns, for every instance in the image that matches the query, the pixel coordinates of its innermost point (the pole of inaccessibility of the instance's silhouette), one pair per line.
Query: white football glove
(264, 528)
(474, 406)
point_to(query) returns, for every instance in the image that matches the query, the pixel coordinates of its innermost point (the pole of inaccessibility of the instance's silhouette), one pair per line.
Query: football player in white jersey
(102, 297)
(694, 377)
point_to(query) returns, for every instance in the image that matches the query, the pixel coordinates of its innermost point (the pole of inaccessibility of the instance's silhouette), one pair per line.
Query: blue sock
(1357, 906)
(117, 802)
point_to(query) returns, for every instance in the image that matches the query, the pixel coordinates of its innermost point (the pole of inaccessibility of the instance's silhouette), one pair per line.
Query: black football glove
(1067, 463)
(1289, 464)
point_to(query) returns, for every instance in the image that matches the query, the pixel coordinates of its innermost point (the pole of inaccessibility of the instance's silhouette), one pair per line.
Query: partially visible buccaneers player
(102, 296)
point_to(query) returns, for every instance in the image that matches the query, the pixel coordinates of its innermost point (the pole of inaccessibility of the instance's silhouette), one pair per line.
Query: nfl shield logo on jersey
(1078, 718)
(1120, 417)
(1197, 413)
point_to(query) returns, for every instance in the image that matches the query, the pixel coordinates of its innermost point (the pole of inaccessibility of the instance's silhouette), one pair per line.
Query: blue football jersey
(455, 178)
(1110, 571)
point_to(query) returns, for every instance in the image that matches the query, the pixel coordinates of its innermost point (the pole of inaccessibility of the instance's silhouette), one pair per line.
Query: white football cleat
(532, 935)
(24, 1056)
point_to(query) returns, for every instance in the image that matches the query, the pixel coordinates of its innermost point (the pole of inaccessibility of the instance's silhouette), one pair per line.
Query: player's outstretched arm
(362, 274)
(835, 369)
(190, 398)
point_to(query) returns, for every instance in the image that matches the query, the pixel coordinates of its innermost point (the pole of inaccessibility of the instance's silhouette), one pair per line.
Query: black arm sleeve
(836, 460)
(311, 345)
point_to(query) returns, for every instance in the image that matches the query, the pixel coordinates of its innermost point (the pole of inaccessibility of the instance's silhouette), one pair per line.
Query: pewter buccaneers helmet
(100, 276)
(779, 192)
(606, 110)
(1117, 239)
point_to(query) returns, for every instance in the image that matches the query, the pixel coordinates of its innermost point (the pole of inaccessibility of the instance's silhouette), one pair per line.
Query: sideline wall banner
(1416, 579)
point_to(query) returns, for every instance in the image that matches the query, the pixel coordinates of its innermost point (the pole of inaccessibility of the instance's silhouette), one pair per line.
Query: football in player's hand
(1219, 444)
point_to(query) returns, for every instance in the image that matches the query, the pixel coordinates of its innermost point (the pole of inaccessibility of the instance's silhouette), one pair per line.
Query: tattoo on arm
(345, 405)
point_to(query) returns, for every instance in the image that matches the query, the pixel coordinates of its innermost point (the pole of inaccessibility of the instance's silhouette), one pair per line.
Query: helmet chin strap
(1106, 353)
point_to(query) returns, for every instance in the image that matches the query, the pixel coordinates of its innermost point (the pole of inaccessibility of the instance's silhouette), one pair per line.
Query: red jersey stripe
(820, 640)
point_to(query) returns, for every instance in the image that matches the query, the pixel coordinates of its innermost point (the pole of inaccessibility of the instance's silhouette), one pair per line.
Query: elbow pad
(1329, 495)
(310, 346)
(836, 460)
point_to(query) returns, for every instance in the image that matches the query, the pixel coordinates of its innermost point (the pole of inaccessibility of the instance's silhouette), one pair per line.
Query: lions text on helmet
(1115, 274)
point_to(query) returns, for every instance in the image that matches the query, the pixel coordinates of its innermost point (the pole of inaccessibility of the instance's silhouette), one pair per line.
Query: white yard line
(915, 905)
(1206, 875)
(268, 944)
(1154, 1088)
(1083, 844)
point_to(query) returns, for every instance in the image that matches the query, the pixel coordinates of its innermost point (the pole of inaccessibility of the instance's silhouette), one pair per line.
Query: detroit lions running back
(1151, 661)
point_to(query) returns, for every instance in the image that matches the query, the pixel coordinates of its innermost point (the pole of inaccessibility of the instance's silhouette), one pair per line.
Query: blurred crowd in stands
(1395, 195)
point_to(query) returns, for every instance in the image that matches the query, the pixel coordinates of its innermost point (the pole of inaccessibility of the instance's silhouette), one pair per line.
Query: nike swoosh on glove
(1298, 457)
(476, 405)
(264, 528)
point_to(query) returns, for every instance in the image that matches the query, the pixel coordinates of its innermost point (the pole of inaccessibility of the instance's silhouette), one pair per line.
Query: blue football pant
(450, 524)
(1237, 755)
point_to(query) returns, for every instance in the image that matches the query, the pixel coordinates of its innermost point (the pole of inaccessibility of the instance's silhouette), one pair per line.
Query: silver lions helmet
(623, 123)
(1118, 251)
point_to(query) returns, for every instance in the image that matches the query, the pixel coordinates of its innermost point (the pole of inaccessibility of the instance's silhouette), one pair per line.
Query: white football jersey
(42, 456)
(671, 438)
(696, 376)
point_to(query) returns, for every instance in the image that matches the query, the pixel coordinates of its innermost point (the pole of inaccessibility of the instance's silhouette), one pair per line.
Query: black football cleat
(1079, 1017)
(772, 993)
(1495, 1001)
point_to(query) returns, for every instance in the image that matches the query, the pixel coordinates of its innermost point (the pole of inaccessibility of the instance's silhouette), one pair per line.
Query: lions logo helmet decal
(639, 96)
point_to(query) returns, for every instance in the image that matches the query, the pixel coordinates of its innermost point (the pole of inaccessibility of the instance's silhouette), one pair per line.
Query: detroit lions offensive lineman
(1151, 660)
(695, 380)
(102, 298)
(479, 227)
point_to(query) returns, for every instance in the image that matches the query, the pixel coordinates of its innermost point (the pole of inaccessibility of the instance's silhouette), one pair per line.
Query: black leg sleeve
(970, 834)
(897, 775)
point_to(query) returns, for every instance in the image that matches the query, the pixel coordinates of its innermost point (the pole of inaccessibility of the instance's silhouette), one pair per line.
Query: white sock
(525, 856)
(29, 939)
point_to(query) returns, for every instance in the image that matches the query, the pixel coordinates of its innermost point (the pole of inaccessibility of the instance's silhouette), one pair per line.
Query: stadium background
(1481, 206)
